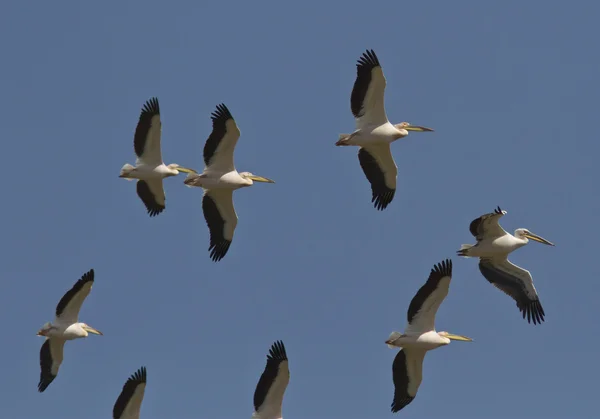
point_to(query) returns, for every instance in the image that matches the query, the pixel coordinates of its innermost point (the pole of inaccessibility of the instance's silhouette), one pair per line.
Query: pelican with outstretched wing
(374, 133)
(149, 168)
(420, 336)
(219, 179)
(268, 396)
(493, 246)
(66, 326)
(129, 402)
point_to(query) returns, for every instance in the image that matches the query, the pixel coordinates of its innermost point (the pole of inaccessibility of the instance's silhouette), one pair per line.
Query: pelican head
(250, 178)
(450, 337)
(524, 234)
(404, 127)
(46, 329)
(176, 169)
(89, 329)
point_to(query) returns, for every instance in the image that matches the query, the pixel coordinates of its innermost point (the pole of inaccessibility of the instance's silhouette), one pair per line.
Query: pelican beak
(418, 128)
(40, 333)
(185, 170)
(459, 337)
(538, 239)
(92, 330)
(261, 179)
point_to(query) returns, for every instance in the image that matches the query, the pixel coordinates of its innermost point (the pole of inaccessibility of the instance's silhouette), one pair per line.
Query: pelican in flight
(420, 336)
(374, 133)
(149, 168)
(492, 248)
(270, 389)
(129, 402)
(66, 327)
(219, 179)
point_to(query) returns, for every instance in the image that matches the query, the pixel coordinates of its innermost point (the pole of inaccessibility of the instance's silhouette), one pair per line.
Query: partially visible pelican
(420, 336)
(129, 402)
(268, 396)
(149, 167)
(66, 326)
(492, 248)
(219, 180)
(374, 133)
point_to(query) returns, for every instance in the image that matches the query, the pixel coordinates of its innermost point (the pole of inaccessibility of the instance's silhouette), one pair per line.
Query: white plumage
(493, 246)
(66, 326)
(268, 396)
(129, 402)
(374, 133)
(219, 179)
(419, 335)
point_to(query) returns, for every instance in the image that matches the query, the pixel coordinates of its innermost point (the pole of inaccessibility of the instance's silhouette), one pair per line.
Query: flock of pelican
(373, 135)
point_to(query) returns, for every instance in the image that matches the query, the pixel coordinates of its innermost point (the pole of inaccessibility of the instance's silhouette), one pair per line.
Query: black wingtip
(277, 352)
(498, 210)
(533, 310)
(444, 268)
(398, 405)
(139, 376)
(151, 107)
(368, 59)
(219, 250)
(221, 113)
(381, 200)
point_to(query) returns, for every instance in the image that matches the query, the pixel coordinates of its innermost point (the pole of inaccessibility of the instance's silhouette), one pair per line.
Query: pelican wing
(515, 282)
(381, 171)
(146, 141)
(268, 396)
(407, 373)
(129, 402)
(426, 302)
(51, 356)
(367, 99)
(219, 147)
(487, 226)
(67, 310)
(152, 194)
(221, 219)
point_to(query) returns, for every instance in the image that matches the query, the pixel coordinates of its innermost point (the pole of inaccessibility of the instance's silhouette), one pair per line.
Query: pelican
(219, 179)
(270, 389)
(129, 402)
(374, 133)
(420, 336)
(65, 327)
(492, 248)
(149, 168)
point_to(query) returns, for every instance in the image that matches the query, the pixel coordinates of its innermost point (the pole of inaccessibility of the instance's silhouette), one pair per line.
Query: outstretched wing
(221, 220)
(152, 194)
(407, 373)
(381, 171)
(268, 396)
(515, 282)
(367, 98)
(51, 356)
(68, 307)
(129, 402)
(220, 145)
(488, 225)
(146, 141)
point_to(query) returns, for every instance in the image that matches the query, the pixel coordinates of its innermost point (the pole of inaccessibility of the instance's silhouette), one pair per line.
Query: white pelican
(129, 402)
(374, 133)
(65, 327)
(492, 248)
(420, 336)
(219, 180)
(270, 389)
(149, 167)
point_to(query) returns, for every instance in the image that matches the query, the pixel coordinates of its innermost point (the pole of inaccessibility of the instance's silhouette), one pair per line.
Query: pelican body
(219, 179)
(420, 335)
(66, 326)
(374, 133)
(150, 169)
(493, 246)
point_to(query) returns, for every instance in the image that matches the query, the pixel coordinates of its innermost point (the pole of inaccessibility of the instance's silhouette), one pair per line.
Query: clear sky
(511, 89)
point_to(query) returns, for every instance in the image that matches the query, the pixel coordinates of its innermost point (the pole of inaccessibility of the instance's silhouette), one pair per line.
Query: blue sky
(511, 90)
